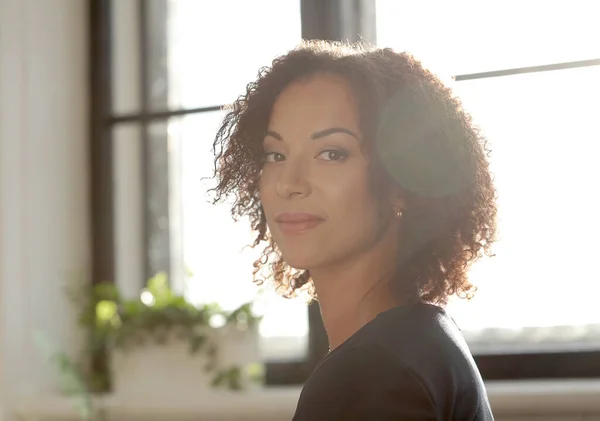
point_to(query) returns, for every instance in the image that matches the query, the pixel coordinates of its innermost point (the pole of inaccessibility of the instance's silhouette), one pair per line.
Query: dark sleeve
(381, 388)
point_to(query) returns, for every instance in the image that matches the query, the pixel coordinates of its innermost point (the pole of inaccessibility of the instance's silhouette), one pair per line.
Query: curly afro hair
(419, 139)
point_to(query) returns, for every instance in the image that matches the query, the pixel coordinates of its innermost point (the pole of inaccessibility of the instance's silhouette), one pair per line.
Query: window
(529, 73)
(470, 36)
(160, 72)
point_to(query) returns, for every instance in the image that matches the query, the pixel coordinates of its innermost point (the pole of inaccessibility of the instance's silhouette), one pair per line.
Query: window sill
(278, 404)
(544, 397)
(271, 404)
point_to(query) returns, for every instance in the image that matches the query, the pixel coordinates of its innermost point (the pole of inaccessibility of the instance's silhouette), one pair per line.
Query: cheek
(266, 190)
(353, 200)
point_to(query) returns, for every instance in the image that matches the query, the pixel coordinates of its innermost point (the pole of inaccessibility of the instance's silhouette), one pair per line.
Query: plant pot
(169, 368)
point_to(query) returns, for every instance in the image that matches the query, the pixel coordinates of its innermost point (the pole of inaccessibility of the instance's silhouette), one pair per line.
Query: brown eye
(333, 155)
(274, 157)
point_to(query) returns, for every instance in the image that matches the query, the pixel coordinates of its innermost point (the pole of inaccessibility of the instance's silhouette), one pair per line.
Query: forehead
(316, 103)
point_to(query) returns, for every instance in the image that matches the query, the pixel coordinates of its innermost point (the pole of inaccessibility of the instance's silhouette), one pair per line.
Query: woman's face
(314, 185)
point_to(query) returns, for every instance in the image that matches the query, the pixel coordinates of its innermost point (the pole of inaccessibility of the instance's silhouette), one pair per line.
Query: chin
(298, 262)
(302, 259)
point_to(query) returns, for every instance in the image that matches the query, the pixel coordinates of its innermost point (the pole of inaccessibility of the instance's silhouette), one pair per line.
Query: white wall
(44, 224)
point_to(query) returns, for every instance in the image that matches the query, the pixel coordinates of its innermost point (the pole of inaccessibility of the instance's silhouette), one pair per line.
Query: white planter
(169, 369)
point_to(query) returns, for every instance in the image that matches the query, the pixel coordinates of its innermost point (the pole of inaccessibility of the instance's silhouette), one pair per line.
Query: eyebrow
(274, 134)
(333, 130)
(318, 135)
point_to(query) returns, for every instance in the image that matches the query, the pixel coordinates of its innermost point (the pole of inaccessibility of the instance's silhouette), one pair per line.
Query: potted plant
(160, 343)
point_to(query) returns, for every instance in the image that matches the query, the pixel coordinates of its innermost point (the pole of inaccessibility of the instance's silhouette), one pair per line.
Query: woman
(371, 187)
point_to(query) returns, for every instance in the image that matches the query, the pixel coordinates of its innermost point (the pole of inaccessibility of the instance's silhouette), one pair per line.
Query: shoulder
(418, 335)
(427, 341)
(362, 381)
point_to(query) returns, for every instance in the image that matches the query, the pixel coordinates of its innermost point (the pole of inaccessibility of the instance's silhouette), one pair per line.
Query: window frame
(320, 19)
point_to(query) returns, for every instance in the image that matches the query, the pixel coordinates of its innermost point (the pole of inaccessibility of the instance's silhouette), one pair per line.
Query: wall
(44, 226)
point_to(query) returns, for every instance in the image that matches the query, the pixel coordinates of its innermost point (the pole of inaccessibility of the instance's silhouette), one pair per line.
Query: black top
(410, 363)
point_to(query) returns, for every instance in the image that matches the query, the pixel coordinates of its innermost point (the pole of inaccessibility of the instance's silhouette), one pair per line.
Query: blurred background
(108, 111)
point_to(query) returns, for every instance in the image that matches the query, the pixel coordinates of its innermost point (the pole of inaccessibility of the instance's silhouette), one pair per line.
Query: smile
(297, 223)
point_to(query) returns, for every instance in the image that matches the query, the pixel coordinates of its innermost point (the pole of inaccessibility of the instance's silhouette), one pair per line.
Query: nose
(293, 181)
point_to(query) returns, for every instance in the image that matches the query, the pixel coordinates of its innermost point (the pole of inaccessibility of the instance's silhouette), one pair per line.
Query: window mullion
(101, 206)
(339, 20)
(155, 157)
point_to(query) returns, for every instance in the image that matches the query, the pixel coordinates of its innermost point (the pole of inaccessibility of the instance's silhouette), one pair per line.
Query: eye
(333, 155)
(274, 157)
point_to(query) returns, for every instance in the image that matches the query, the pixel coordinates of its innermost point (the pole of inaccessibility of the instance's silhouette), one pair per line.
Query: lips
(297, 222)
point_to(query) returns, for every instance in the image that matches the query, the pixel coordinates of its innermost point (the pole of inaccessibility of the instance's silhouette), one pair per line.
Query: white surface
(44, 235)
(170, 372)
(569, 399)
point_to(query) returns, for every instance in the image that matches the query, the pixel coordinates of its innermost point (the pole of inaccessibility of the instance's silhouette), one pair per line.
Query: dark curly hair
(419, 139)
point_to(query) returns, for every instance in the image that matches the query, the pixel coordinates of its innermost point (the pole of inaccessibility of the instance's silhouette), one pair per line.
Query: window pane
(157, 157)
(214, 246)
(541, 290)
(128, 206)
(214, 50)
(125, 55)
(467, 36)
(157, 45)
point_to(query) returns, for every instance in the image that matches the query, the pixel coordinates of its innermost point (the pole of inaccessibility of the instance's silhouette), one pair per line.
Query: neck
(354, 292)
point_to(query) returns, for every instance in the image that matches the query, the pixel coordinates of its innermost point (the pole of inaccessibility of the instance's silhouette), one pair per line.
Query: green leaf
(70, 379)
(158, 286)
(219, 378)
(129, 308)
(256, 372)
(231, 378)
(180, 302)
(106, 291)
(235, 378)
(106, 312)
(196, 342)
